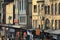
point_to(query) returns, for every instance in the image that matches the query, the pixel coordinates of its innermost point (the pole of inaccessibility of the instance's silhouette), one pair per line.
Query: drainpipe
(27, 11)
(1, 13)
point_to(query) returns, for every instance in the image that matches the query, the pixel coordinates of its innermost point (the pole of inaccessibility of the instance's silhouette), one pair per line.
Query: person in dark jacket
(42, 34)
(28, 37)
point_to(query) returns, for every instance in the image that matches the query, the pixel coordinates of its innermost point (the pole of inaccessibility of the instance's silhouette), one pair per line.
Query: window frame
(59, 8)
(52, 9)
(35, 8)
(35, 22)
(55, 8)
(48, 9)
(25, 19)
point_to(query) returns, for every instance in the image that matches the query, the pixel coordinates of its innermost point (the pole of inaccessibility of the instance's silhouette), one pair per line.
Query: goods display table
(54, 33)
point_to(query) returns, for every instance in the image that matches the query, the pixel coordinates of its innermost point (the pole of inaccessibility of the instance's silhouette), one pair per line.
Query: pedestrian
(0, 38)
(3, 38)
(42, 34)
(30, 35)
(18, 37)
(38, 34)
(24, 35)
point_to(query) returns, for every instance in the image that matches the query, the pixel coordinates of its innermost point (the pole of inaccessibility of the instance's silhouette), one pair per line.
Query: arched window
(47, 23)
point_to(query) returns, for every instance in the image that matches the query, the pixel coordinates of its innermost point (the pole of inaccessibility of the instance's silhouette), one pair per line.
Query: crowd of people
(26, 35)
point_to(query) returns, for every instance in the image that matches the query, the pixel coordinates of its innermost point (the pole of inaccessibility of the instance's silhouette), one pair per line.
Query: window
(25, 2)
(22, 4)
(39, 26)
(59, 8)
(35, 8)
(34, 23)
(45, 9)
(48, 9)
(22, 20)
(55, 24)
(42, 6)
(59, 24)
(38, 9)
(55, 8)
(52, 9)
(52, 23)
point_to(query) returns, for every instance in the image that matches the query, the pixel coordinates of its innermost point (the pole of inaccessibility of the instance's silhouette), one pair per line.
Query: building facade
(37, 13)
(45, 14)
(23, 12)
(53, 13)
(17, 12)
(9, 13)
(4, 11)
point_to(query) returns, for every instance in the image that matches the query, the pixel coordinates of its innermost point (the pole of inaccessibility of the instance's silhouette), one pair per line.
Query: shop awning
(12, 26)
